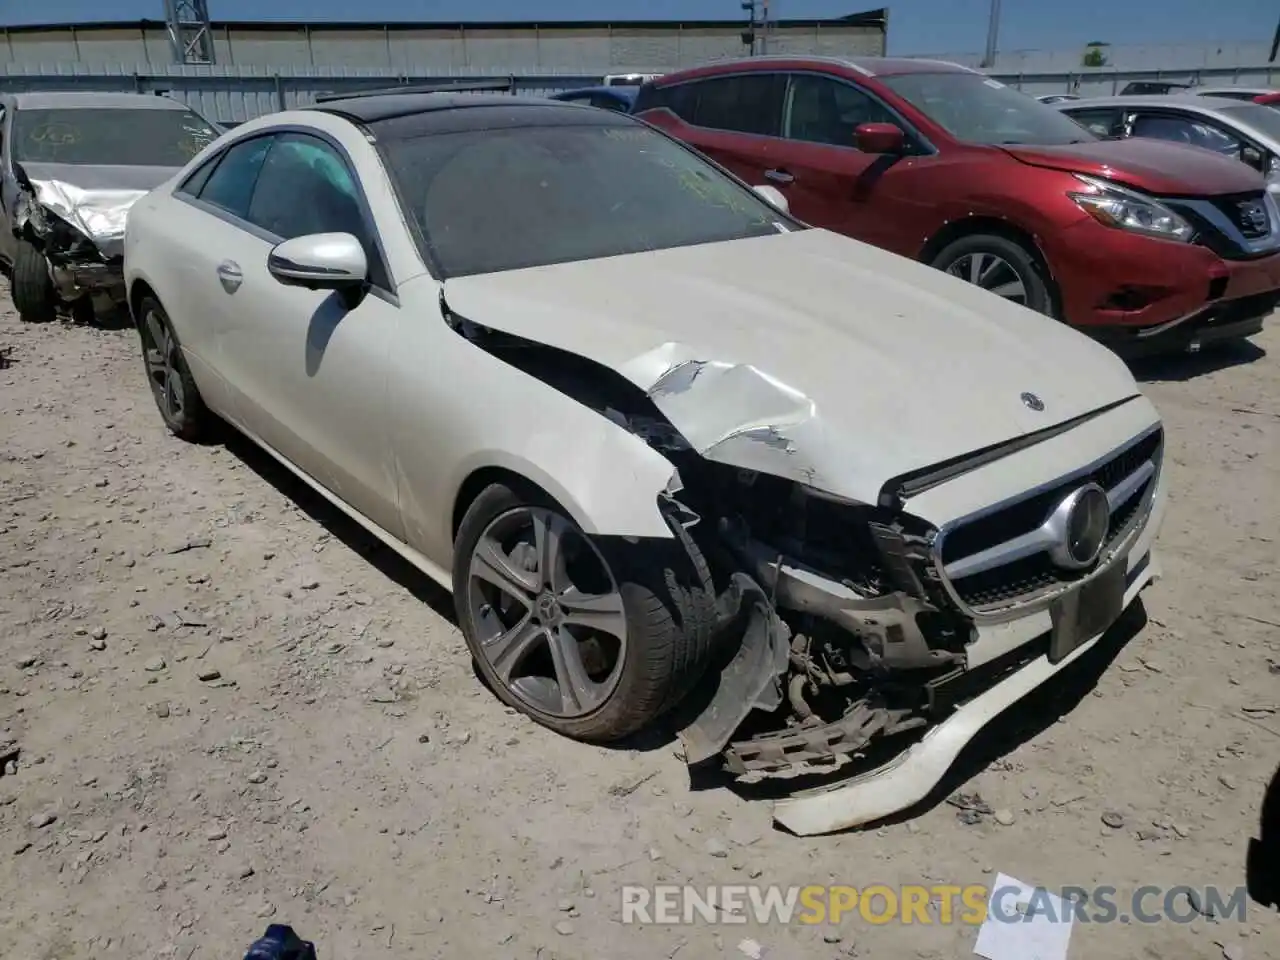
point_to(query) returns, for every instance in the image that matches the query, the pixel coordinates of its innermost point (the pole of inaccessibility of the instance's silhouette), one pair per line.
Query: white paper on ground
(1043, 932)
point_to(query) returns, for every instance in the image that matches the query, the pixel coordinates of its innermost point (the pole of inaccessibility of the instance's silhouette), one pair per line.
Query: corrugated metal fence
(238, 93)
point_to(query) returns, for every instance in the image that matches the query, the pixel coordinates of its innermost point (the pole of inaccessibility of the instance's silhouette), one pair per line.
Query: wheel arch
(527, 476)
(482, 478)
(999, 226)
(138, 289)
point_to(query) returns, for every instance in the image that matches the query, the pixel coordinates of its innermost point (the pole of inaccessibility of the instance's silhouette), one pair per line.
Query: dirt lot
(237, 706)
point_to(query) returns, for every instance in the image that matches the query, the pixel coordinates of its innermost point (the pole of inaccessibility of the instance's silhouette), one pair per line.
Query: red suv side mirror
(879, 138)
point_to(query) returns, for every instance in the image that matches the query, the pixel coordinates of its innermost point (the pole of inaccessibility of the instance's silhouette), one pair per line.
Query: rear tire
(172, 386)
(33, 293)
(1002, 266)
(664, 614)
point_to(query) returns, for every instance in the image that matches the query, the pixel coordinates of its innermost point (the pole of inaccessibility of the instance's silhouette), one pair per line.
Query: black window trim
(730, 75)
(387, 293)
(908, 128)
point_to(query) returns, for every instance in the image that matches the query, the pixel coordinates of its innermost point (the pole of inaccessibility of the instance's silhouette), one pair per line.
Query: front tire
(175, 392)
(1001, 266)
(590, 648)
(33, 293)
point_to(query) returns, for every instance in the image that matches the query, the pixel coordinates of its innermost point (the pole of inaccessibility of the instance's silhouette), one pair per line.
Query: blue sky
(915, 26)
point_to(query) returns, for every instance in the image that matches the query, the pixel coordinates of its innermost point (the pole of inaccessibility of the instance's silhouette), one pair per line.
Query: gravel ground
(232, 705)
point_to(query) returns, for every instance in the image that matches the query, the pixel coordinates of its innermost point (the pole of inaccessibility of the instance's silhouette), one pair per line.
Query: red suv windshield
(977, 109)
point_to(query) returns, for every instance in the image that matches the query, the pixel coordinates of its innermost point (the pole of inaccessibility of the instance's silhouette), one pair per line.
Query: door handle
(779, 176)
(229, 275)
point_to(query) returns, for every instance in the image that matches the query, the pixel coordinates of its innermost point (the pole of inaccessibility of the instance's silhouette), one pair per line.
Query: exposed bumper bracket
(910, 777)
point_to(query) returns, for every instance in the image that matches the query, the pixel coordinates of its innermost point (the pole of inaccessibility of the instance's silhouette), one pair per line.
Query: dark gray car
(71, 165)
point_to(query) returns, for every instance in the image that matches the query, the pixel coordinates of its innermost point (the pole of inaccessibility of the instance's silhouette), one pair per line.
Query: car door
(194, 229)
(308, 371)
(732, 119)
(828, 181)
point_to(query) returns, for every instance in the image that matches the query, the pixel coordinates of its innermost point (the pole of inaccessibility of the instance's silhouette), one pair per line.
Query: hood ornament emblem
(1032, 402)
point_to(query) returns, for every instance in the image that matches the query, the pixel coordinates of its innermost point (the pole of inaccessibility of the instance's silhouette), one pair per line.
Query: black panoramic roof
(423, 114)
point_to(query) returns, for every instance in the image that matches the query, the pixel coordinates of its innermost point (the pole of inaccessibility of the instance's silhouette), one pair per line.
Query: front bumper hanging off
(909, 777)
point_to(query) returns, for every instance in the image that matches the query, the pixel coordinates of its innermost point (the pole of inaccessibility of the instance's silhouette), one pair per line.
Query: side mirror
(1254, 158)
(774, 197)
(879, 138)
(320, 261)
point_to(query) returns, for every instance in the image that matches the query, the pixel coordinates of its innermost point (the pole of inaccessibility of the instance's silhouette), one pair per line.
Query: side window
(822, 110)
(230, 185)
(1184, 129)
(1104, 122)
(304, 188)
(199, 177)
(748, 103)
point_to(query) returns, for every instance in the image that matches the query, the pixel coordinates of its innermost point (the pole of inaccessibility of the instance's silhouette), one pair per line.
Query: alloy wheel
(992, 273)
(548, 614)
(161, 352)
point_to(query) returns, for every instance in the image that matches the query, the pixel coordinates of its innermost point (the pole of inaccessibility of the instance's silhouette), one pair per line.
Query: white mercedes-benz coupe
(667, 446)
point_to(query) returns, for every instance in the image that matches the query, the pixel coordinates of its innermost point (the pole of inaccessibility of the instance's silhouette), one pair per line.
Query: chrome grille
(1248, 214)
(996, 560)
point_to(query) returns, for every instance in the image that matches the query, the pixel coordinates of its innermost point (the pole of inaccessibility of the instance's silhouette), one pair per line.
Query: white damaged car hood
(808, 355)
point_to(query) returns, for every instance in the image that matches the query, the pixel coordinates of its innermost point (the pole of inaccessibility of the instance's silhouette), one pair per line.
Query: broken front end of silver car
(80, 233)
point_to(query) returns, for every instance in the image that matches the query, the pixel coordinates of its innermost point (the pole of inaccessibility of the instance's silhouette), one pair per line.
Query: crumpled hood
(1156, 166)
(94, 200)
(808, 355)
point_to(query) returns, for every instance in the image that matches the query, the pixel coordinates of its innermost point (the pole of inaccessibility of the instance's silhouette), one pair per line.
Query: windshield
(977, 109)
(1263, 119)
(502, 199)
(110, 136)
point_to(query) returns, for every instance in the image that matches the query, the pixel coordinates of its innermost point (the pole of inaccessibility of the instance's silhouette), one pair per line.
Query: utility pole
(764, 27)
(190, 36)
(993, 33)
(1275, 44)
(749, 34)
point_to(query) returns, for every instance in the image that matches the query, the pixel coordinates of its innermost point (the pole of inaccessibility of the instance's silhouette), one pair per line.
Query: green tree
(1095, 55)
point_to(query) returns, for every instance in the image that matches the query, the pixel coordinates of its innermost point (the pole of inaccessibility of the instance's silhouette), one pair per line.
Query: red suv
(1134, 241)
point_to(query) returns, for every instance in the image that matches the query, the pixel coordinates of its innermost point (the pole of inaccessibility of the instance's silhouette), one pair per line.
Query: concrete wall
(501, 49)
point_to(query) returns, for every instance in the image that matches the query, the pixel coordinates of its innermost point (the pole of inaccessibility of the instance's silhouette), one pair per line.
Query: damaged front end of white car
(80, 233)
(860, 619)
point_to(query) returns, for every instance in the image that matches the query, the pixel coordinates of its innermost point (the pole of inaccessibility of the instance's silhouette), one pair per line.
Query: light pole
(993, 33)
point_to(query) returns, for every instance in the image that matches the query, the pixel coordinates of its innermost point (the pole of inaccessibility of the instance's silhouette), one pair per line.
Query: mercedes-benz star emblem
(1079, 527)
(1033, 402)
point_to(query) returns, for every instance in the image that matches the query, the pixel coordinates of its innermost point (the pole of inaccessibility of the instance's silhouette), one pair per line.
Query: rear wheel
(1001, 266)
(175, 392)
(33, 293)
(592, 649)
